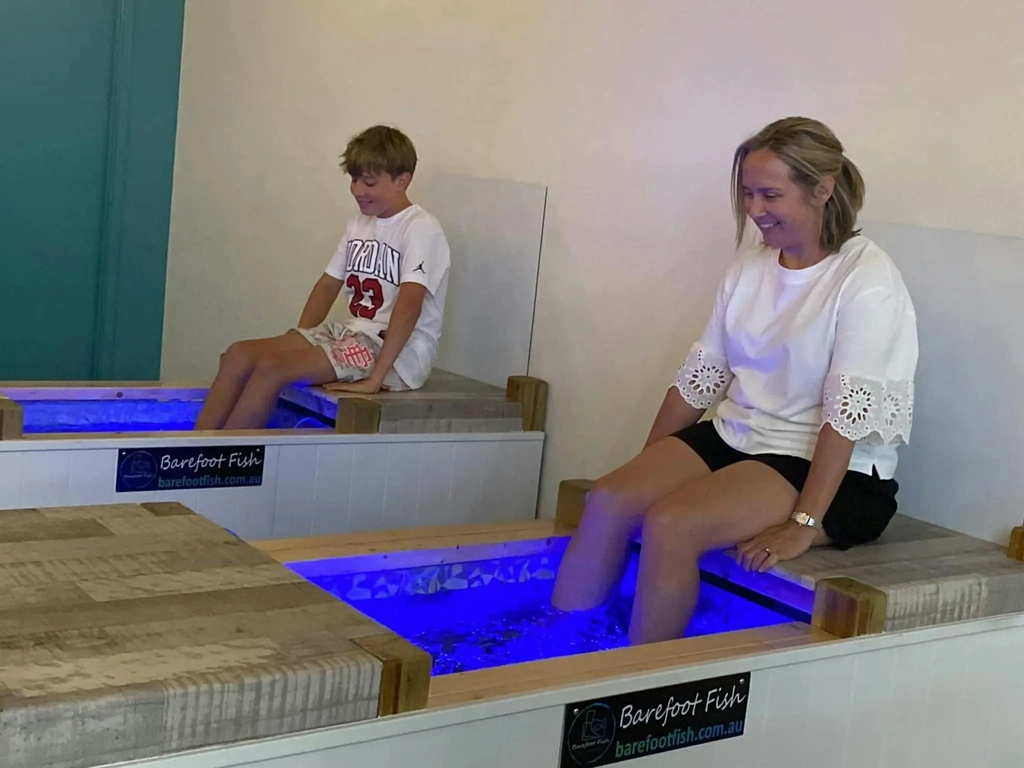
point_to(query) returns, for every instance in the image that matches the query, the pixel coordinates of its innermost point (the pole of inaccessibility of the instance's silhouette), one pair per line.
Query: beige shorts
(352, 353)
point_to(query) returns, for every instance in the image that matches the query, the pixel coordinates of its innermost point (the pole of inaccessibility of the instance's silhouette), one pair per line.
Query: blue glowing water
(506, 622)
(137, 415)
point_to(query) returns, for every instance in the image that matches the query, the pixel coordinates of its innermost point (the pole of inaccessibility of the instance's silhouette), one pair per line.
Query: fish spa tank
(494, 612)
(87, 411)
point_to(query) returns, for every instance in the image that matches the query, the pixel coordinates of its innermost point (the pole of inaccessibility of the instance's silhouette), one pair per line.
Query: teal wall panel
(134, 256)
(55, 63)
(88, 114)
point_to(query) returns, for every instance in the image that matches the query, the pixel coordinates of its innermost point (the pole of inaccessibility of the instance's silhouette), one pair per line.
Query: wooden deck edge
(406, 540)
(572, 495)
(846, 607)
(92, 386)
(166, 508)
(547, 674)
(405, 674)
(357, 416)
(533, 394)
(252, 434)
(104, 394)
(1016, 547)
(12, 419)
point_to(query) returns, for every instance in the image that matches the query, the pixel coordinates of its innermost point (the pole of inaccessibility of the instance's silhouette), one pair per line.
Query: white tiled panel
(10, 479)
(937, 698)
(336, 486)
(494, 229)
(967, 290)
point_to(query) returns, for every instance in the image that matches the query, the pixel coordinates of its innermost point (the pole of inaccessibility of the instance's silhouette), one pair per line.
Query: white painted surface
(630, 120)
(947, 696)
(494, 229)
(311, 485)
(962, 467)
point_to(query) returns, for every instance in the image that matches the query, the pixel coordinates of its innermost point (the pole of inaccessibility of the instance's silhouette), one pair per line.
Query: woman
(809, 356)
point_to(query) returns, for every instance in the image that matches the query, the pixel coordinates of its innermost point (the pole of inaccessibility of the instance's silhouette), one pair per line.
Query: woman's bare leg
(236, 366)
(731, 505)
(596, 556)
(272, 374)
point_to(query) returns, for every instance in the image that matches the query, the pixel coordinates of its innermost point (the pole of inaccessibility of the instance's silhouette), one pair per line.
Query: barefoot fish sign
(194, 468)
(630, 725)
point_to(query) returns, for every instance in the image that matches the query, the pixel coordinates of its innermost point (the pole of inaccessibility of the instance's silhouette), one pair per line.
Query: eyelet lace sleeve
(703, 379)
(858, 407)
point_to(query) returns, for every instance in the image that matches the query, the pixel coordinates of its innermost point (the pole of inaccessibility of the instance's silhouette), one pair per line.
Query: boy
(393, 264)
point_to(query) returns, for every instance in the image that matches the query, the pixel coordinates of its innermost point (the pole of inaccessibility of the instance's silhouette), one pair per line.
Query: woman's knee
(611, 502)
(674, 526)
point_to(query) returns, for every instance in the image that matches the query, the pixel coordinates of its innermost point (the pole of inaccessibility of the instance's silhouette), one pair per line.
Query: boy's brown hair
(379, 149)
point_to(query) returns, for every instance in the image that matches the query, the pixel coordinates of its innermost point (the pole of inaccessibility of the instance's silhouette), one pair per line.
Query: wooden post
(1016, 548)
(357, 416)
(405, 677)
(848, 608)
(572, 495)
(166, 508)
(533, 394)
(11, 419)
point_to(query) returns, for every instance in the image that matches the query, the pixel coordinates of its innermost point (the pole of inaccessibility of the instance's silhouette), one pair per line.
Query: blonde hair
(379, 149)
(812, 152)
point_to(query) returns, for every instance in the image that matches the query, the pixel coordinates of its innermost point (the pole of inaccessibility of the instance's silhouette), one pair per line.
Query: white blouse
(788, 350)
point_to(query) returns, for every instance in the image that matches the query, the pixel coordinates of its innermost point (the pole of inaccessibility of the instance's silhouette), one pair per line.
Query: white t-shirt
(374, 258)
(786, 351)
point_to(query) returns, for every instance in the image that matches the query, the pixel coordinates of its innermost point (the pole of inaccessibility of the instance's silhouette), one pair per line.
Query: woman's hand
(774, 545)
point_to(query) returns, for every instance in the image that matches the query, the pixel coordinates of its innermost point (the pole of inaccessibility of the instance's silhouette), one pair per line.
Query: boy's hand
(365, 387)
(406, 312)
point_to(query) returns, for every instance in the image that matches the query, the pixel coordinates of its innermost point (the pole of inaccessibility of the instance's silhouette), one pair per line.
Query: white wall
(627, 112)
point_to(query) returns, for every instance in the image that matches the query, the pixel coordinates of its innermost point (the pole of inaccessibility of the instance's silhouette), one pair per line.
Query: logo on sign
(591, 734)
(138, 470)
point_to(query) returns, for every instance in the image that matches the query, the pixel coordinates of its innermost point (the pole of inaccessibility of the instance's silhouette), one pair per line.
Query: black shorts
(860, 511)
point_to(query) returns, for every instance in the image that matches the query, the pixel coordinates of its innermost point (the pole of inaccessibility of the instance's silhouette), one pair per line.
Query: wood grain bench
(129, 631)
(446, 403)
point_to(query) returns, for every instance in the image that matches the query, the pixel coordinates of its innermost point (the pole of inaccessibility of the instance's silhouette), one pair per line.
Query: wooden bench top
(929, 574)
(131, 631)
(447, 402)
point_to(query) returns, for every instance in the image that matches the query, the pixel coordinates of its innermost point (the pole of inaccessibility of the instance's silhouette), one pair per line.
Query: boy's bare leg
(236, 366)
(272, 374)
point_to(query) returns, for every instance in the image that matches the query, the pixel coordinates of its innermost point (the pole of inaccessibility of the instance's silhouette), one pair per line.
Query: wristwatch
(802, 518)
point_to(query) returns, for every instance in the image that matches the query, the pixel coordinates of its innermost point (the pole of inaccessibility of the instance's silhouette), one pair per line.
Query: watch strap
(802, 518)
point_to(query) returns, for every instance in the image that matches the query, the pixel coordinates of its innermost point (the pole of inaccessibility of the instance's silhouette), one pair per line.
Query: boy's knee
(235, 355)
(272, 369)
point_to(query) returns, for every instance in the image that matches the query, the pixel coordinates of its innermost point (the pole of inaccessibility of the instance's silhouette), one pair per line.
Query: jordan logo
(420, 268)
